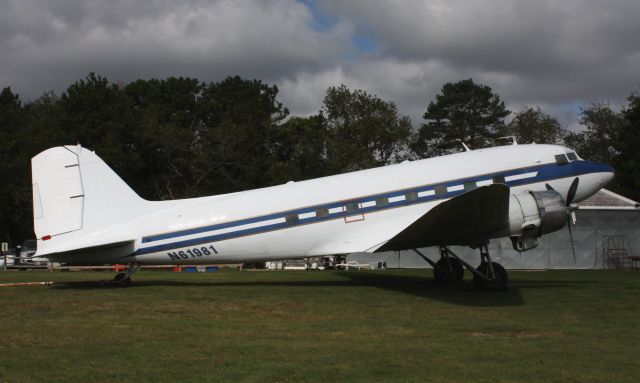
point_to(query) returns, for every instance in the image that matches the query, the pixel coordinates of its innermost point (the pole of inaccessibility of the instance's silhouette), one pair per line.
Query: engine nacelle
(532, 214)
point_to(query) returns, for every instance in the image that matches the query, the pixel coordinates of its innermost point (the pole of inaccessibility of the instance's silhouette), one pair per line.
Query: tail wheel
(122, 280)
(448, 270)
(498, 281)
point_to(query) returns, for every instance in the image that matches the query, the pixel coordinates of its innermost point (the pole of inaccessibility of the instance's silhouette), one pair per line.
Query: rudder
(58, 196)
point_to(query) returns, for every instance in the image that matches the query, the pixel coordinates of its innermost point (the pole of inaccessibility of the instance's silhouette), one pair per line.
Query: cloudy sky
(558, 55)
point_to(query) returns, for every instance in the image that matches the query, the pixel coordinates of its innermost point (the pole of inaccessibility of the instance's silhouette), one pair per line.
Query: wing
(468, 219)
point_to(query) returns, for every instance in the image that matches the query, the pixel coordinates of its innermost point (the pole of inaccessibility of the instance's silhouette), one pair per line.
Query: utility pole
(4, 250)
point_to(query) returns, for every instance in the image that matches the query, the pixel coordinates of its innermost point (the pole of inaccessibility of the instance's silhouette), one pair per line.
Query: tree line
(180, 137)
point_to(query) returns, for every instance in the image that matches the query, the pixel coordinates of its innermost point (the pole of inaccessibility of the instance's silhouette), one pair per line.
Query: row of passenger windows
(411, 196)
(561, 159)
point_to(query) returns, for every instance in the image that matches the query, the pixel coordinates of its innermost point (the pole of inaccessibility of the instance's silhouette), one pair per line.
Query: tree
(239, 119)
(298, 149)
(364, 130)
(167, 127)
(44, 124)
(532, 125)
(15, 190)
(99, 115)
(627, 162)
(598, 142)
(463, 112)
(205, 138)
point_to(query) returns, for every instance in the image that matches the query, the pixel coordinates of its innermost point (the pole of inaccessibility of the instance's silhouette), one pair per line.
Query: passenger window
(382, 201)
(352, 206)
(499, 180)
(322, 212)
(440, 190)
(469, 185)
(411, 196)
(572, 156)
(292, 218)
(561, 159)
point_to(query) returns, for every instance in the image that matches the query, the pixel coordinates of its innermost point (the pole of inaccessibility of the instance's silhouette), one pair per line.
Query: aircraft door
(352, 211)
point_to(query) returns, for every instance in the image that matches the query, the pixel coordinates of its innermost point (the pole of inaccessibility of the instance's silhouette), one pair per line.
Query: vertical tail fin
(74, 190)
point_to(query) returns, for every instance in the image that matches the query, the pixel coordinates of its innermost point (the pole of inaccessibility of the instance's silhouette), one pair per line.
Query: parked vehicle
(27, 252)
(11, 259)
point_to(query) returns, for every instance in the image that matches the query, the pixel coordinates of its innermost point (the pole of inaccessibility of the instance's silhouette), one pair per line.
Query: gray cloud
(52, 44)
(557, 55)
(531, 52)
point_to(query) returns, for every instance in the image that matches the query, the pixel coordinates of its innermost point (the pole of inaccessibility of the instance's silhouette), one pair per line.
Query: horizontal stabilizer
(100, 254)
(468, 219)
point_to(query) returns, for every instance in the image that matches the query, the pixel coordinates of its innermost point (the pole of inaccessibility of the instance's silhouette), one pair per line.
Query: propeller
(571, 194)
(571, 211)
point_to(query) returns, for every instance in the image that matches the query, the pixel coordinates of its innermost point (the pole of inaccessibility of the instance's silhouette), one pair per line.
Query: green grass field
(565, 326)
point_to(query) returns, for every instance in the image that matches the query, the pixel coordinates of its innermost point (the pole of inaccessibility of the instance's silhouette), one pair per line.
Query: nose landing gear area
(489, 276)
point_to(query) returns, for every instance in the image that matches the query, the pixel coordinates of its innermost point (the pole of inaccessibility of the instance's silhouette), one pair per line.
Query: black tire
(448, 270)
(497, 283)
(121, 280)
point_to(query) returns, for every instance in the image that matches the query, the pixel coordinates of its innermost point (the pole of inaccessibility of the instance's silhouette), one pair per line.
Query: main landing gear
(450, 268)
(124, 279)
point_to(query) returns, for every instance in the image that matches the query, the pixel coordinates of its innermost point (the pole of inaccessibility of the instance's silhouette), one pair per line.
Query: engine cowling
(532, 214)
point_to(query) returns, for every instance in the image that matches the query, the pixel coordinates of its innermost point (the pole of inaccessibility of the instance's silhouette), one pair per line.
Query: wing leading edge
(468, 219)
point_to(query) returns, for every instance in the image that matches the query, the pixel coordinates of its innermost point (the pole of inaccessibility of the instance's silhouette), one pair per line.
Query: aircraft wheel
(498, 283)
(450, 270)
(121, 280)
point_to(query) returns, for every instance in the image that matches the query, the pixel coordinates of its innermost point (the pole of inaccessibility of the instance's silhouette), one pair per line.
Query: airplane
(85, 214)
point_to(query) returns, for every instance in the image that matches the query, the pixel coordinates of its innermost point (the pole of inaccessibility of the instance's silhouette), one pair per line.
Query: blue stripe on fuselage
(546, 172)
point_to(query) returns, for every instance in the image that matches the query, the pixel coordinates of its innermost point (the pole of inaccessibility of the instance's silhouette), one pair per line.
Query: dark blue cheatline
(545, 173)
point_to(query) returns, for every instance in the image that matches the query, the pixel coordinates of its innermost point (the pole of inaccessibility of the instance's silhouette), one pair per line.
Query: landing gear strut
(488, 276)
(124, 279)
(448, 268)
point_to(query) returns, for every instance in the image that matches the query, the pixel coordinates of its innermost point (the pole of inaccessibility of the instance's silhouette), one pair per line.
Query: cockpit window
(561, 159)
(572, 156)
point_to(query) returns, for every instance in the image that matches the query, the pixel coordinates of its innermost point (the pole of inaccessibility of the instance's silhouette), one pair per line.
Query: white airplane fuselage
(352, 212)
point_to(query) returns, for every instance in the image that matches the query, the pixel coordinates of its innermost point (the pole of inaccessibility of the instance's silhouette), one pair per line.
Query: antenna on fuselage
(513, 138)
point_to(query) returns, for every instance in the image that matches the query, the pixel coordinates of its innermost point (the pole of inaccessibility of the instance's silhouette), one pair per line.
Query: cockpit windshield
(561, 159)
(567, 157)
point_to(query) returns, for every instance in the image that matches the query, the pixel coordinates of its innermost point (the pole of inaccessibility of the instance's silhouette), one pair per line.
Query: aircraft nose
(606, 176)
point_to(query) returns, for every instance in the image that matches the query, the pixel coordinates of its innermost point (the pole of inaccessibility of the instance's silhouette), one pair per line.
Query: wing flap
(468, 219)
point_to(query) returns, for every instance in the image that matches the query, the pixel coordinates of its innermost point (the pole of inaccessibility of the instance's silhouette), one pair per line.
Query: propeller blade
(571, 214)
(573, 250)
(571, 194)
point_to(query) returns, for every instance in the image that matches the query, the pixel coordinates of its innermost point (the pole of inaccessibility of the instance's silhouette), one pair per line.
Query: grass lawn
(566, 326)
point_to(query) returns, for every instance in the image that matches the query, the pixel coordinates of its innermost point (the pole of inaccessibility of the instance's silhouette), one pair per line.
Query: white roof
(608, 200)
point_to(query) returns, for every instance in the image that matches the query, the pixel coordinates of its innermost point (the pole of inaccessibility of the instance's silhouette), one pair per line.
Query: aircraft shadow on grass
(463, 293)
